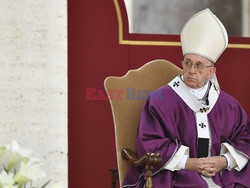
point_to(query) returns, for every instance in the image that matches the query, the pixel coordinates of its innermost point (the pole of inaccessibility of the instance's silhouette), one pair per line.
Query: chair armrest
(150, 160)
(153, 159)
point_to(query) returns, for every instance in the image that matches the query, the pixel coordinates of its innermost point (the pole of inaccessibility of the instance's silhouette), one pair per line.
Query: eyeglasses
(199, 66)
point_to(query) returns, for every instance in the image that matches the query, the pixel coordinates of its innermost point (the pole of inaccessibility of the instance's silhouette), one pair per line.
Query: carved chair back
(127, 95)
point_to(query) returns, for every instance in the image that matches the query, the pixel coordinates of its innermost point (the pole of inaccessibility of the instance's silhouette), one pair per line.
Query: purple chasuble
(167, 122)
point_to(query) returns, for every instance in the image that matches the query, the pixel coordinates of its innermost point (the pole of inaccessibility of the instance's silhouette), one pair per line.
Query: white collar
(182, 90)
(199, 93)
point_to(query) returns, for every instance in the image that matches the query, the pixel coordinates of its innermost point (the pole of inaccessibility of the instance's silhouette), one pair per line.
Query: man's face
(196, 70)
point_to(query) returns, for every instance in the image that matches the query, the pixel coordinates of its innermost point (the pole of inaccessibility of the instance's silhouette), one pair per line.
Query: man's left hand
(211, 165)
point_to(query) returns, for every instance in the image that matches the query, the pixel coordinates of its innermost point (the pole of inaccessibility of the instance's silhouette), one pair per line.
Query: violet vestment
(167, 122)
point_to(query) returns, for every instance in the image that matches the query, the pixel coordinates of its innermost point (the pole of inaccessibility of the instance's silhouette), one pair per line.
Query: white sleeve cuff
(178, 160)
(183, 161)
(228, 157)
(237, 160)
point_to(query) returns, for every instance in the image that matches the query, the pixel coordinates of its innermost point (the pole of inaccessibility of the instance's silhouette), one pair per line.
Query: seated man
(201, 132)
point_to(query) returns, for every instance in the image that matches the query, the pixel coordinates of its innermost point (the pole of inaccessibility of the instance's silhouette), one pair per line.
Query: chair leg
(149, 175)
(114, 177)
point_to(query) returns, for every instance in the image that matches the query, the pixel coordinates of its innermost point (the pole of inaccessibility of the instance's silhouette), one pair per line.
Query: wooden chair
(127, 95)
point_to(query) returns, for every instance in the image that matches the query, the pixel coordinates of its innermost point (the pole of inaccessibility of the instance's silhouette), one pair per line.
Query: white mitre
(204, 34)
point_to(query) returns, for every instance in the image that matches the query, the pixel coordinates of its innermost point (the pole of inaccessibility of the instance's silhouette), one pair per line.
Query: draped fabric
(168, 122)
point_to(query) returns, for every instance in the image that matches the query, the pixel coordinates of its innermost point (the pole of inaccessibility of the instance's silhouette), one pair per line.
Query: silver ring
(203, 173)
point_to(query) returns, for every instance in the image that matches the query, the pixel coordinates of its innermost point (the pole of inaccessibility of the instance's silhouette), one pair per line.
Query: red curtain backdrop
(95, 53)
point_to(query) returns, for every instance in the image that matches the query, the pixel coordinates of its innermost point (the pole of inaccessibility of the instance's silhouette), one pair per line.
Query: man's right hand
(208, 166)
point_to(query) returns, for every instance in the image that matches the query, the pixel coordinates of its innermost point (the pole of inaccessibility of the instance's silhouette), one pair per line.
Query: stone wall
(33, 80)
